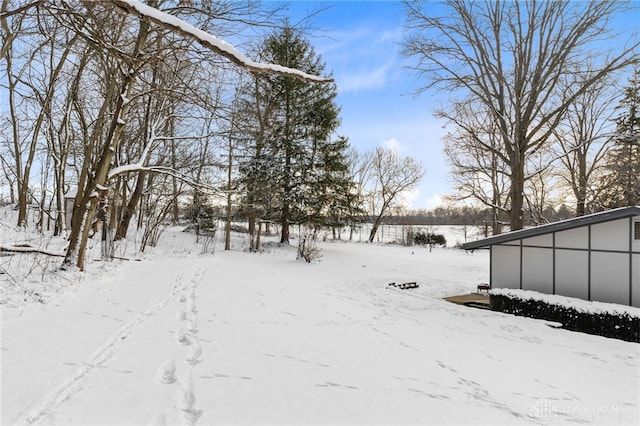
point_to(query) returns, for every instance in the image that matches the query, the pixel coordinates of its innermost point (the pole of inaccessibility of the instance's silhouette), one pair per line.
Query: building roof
(562, 225)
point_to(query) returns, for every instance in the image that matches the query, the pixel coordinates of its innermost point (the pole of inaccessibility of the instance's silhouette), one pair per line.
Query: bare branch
(29, 249)
(7, 13)
(207, 40)
(516, 59)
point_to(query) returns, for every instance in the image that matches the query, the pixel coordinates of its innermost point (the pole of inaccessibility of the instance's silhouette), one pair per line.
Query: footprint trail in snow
(187, 336)
(73, 383)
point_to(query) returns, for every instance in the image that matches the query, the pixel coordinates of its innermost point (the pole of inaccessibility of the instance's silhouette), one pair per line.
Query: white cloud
(393, 35)
(364, 57)
(364, 79)
(410, 197)
(392, 144)
(433, 201)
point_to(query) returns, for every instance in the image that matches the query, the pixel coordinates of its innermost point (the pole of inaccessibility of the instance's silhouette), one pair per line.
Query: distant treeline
(474, 216)
(452, 215)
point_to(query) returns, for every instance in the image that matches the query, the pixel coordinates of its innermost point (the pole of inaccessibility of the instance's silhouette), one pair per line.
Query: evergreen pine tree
(337, 202)
(289, 125)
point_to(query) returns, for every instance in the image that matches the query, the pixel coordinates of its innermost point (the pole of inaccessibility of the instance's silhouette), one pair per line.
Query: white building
(594, 257)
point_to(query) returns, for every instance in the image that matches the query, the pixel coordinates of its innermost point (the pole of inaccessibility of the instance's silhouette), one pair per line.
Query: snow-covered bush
(603, 319)
(422, 239)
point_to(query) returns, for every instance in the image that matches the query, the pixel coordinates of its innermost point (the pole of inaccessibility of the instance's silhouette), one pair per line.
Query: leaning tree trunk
(374, 228)
(86, 208)
(136, 196)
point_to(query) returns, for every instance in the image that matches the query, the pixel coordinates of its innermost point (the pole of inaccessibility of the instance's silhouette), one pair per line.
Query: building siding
(635, 285)
(610, 277)
(537, 270)
(592, 262)
(572, 273)
(505, 266)
(595, 257)
(577, 238)
(612, 235)
(540, 240)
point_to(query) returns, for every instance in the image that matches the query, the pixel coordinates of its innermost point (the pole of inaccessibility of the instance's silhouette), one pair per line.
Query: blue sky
(360, 43)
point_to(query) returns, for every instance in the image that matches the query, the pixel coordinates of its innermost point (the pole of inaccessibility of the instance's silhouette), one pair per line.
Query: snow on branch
(219, 46)
(139, 167)
(26, 248)
(135, 166)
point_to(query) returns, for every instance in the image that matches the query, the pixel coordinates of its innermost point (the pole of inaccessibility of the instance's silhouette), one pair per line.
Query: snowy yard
(266, 339)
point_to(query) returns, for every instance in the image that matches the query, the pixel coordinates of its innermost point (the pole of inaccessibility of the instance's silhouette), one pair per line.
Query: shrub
(307, 248)
(423, 239)
(617, 325)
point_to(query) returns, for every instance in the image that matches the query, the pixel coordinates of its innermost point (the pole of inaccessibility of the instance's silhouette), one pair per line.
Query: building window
(636, 231)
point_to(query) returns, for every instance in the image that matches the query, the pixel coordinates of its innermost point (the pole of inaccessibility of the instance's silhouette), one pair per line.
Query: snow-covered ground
(181, 337)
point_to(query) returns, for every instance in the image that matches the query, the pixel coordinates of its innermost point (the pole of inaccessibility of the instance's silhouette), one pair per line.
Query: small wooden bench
(483, 287)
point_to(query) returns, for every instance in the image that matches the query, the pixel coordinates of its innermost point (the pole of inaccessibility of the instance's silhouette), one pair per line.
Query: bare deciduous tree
(134, 57)
(390, 176)
(104, 95)
(479, 168)
(512, 57)
(581, 142)
(540, 187)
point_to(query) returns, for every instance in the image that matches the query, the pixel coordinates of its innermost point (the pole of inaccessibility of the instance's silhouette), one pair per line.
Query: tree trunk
(517, 195)
(174, 182)
(252, 230)
(114, 212)
(11, 89)
(374, 228)
(581, 193)
(286, 211)
(79, 215)
(89, 202)
(227, 231)
(123, 225)
(258, 236)
(284, 234)
(84, 235)
(85, 209)
(59, 224)
(23, 189)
